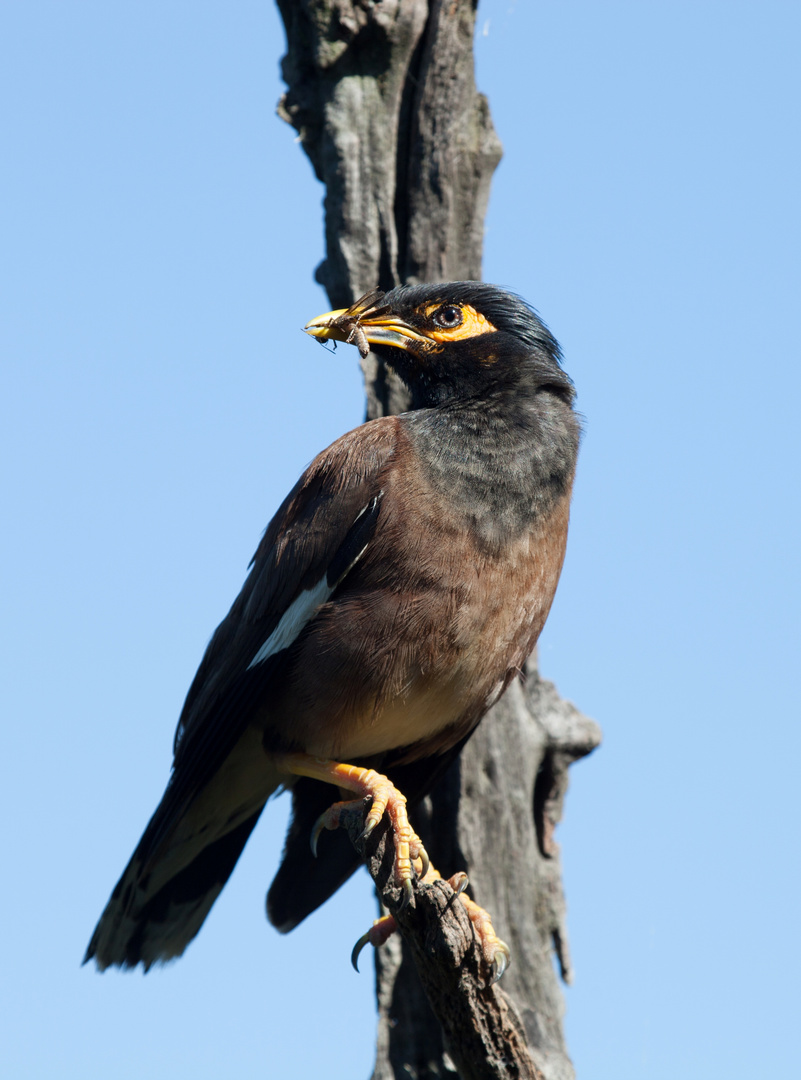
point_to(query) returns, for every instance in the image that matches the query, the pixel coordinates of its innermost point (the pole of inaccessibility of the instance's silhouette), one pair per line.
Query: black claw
(500, 962)
(426, 862)
(367, 832)
(464, 882)
(407, 895)
(357, 948)
(315, 834)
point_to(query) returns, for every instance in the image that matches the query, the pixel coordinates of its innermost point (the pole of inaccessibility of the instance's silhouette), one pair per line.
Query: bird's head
(452, 341)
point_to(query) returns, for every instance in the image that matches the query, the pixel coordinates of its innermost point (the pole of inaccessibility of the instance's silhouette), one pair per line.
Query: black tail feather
(168, 920)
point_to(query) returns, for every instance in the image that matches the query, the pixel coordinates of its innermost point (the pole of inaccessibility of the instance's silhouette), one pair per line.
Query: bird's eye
(448, 316)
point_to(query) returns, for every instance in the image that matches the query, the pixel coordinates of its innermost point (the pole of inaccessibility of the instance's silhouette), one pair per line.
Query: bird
(397, 591)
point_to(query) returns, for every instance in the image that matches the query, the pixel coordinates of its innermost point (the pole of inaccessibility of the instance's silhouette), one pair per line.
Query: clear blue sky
(159, 232)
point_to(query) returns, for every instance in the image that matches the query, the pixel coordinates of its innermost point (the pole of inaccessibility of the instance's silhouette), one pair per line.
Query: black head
(452, 341)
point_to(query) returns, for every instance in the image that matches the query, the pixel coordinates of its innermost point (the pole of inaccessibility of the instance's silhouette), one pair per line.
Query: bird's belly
(401, 682)
(409, 718)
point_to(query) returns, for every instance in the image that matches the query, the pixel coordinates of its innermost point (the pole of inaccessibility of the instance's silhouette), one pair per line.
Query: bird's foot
(496, 952)
(386, 799)
(408, 849)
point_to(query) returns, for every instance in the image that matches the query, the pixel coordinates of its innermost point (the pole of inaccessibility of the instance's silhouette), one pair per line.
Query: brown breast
(424, 633)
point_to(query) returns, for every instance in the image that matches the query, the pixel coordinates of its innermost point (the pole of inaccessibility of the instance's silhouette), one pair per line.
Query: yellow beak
(356, 325)
(327, 327)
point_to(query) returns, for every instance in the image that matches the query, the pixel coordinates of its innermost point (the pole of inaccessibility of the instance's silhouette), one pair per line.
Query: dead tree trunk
(384, 99)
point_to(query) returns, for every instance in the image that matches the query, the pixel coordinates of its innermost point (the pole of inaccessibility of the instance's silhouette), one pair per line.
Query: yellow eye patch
(472, 324)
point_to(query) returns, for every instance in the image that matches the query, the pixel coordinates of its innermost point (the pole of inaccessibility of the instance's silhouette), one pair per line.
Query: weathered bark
(384, 99)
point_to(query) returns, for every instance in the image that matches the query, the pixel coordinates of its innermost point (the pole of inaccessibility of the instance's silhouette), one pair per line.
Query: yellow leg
(385, 796)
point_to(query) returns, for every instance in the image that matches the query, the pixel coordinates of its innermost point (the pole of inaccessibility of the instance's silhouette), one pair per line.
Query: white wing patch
(299, 612)
(304, 607)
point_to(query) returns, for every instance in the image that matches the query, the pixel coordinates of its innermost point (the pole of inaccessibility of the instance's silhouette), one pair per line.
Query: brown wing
(318, 533)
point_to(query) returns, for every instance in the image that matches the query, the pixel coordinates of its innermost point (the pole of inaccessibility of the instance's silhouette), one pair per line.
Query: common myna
(399, 588)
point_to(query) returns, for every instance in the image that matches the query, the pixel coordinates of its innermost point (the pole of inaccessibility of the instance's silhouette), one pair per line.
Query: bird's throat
(502, 469)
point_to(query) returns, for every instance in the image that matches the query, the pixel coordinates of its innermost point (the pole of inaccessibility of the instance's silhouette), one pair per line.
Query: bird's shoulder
(320, 504)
